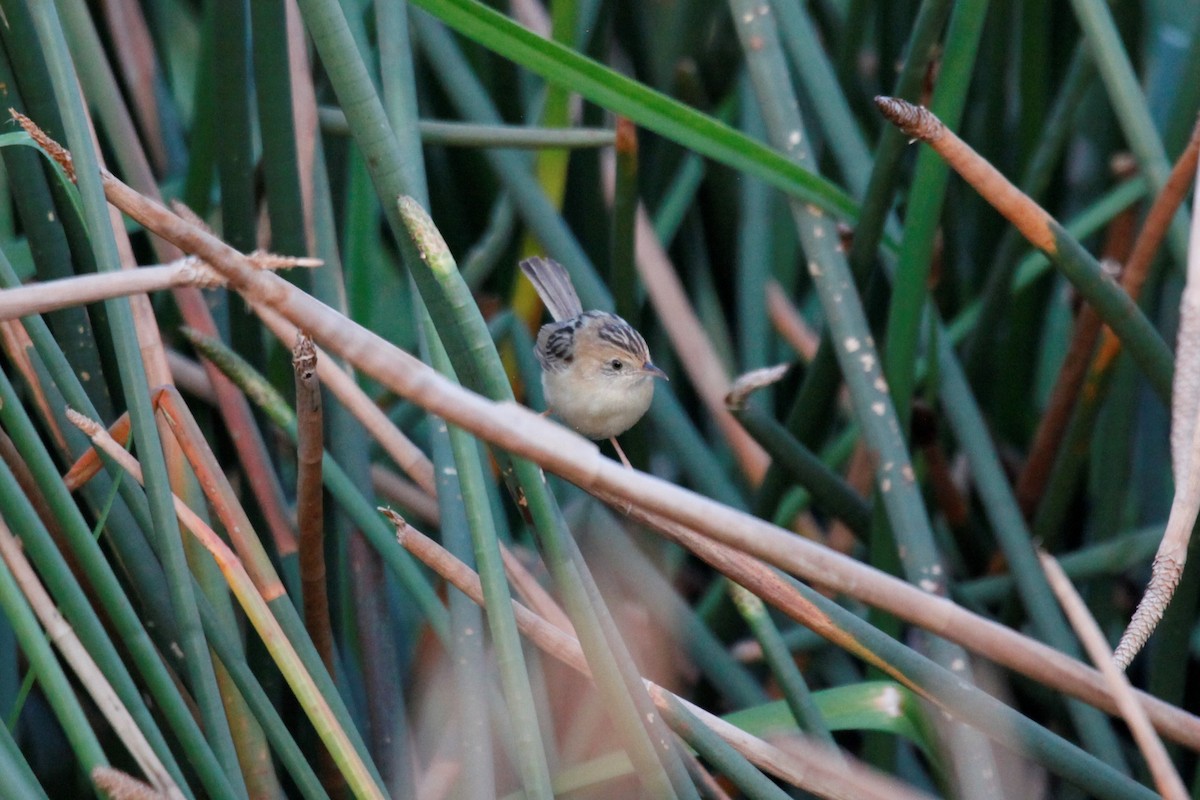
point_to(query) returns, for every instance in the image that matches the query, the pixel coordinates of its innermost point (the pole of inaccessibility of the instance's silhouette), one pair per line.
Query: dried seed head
(1164, 577)
(916, 122)
(56, 151)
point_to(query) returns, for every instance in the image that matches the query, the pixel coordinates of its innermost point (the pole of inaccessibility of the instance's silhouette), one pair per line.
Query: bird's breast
(598, 408)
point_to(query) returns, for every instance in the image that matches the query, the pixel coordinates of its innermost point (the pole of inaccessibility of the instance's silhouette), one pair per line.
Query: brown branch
(919, 122)
(310, 498)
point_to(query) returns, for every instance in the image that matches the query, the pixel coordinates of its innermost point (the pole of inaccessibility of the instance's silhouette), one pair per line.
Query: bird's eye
(617, 364)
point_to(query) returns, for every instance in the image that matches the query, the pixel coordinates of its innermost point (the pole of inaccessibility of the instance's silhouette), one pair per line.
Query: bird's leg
(620, 452)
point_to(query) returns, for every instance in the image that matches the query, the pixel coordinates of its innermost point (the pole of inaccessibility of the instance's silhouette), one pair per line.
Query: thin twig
(789, 323)
(1166, 778)
(399, 447)
(59, 631)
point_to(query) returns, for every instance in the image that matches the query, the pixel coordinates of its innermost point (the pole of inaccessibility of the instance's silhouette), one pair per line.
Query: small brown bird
(596, 369)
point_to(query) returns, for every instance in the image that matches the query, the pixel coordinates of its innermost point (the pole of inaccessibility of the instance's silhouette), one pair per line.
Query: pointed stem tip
(914, 121)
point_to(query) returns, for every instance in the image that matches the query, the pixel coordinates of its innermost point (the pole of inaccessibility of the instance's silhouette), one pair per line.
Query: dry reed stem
(60, 632)
(189, 375)
(89, 464)
(811, 768)
(133, 50)
(185, 432)
(41, 298)
(527, 434)
(401, 491)
(310, 498)
(399, 447)
(47, 296)
(920, 123)
(1166, 778)
(1133, 276)
(533, 593)
(1167, 568)
(21, 355)
(234, 407)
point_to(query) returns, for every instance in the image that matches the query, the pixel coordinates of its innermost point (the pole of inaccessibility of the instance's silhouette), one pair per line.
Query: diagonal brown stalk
(811, 767)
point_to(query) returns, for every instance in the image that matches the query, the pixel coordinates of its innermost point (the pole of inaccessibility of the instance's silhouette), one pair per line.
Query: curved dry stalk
(528, 434)
(1115, 306)
(808, 766)
(1167, 569)
(1166, 778)
(98, 688)
(1082, 351)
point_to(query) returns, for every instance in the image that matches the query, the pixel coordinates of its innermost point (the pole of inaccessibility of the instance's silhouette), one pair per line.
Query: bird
(597, 375)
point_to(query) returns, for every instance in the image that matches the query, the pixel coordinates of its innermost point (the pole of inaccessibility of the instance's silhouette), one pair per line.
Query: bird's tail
(554, 286)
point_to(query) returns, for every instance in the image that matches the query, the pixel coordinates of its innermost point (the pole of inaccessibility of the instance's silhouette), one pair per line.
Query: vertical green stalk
(1016, 542)
(276, 120)
(17, 780)
(910, 288)
(1125, 93)
(755, 205)
(78, 609)
(624, 215)
(612, 665)
(510, 658)
(791, 682)
(855, 350)
(466, 646)
(1051, 140)
(583, 601)
(814, 401)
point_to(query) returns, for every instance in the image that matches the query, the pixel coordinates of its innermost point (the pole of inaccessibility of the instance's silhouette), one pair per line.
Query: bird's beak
(654, 371)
